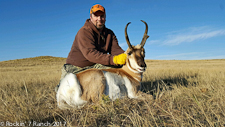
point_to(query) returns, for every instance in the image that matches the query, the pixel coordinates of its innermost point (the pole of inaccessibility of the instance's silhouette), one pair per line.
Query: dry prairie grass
(186, 93)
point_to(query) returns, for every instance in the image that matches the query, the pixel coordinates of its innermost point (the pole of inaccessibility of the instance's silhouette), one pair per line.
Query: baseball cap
(96, 8)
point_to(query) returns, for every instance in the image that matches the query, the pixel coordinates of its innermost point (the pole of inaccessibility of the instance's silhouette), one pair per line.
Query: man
(95, 46)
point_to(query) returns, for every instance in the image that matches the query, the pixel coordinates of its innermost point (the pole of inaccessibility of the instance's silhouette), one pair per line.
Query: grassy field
(186, 93)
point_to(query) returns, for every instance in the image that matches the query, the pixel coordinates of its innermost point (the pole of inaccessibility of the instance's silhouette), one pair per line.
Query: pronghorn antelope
(88, 86)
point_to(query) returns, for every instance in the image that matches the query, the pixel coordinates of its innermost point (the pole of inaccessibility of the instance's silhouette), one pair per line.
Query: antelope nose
(143, 65)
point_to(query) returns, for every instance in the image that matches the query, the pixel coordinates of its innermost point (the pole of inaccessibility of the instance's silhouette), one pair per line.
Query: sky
(178, 29)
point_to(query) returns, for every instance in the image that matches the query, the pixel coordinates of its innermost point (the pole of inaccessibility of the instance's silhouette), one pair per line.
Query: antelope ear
(143, 51)
(129, 51)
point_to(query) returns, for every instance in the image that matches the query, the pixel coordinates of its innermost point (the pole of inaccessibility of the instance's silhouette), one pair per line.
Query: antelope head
(135, 54)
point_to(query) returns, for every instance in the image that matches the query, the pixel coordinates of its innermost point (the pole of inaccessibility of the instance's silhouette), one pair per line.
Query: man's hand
(120, 59)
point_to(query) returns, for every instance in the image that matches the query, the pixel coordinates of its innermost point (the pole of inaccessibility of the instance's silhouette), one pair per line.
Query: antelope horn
(126, 36)
(145, 37)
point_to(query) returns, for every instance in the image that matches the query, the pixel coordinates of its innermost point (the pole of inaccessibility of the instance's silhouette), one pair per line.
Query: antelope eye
(129, 53)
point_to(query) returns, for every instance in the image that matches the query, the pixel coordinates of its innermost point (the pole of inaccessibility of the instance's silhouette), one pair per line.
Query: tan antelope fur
(88, 86)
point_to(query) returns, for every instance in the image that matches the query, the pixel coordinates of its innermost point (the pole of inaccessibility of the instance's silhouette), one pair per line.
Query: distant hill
(49, 60)
(40, 60)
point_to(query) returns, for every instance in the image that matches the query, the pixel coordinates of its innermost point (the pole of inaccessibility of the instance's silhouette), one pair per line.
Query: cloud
(177, 39)
(191, 56)
(190, 35)
(153, 41)
(180, 56)
(123, 45)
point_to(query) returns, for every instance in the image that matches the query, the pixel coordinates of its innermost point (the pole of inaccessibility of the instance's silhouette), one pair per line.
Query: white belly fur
(117, 86)
(69, 92)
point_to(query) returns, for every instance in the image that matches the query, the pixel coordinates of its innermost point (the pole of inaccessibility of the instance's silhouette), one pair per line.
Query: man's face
(98, 19)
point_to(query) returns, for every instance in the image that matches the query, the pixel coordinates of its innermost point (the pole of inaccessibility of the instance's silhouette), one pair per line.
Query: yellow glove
(120, 59)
